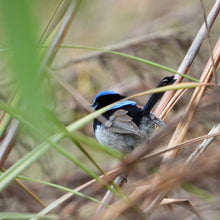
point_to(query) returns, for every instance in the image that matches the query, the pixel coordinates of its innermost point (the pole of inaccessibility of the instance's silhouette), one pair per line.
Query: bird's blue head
(107, 97)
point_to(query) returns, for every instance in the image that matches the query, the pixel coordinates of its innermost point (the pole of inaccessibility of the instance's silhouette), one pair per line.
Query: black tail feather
(156, 96)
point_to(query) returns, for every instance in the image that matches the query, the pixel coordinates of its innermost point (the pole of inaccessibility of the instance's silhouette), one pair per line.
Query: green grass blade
(40, 150)
(58, 187)
(157, 65)
(20, 31)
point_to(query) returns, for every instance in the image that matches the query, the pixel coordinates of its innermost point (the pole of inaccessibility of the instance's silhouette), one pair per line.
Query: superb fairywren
(127, 125)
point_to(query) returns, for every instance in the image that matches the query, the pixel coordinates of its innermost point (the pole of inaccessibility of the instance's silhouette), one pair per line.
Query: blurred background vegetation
(58, 93)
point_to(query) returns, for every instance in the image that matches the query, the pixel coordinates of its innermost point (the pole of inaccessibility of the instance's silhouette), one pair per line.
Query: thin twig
(203, 146)
(181, 145)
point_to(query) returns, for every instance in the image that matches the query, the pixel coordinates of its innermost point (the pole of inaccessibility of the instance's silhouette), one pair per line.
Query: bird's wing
(122, 123)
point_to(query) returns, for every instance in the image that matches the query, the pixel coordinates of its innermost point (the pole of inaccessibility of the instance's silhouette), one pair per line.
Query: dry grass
(155, 172)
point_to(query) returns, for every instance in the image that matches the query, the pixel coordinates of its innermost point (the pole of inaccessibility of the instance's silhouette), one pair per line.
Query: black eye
(95, 104)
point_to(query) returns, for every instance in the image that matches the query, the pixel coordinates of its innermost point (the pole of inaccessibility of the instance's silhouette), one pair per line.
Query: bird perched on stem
(127, 125)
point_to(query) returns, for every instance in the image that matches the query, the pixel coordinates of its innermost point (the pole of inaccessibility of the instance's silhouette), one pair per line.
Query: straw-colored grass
(56, 57)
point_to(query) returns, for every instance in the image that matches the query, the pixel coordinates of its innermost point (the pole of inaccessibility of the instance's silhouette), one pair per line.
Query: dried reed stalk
(184, 124)
(169, 99)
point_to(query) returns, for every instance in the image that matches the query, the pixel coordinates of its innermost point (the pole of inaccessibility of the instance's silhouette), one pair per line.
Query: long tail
(156, 96)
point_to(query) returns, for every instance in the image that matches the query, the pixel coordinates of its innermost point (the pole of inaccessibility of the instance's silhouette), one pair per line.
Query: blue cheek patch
(124, 103)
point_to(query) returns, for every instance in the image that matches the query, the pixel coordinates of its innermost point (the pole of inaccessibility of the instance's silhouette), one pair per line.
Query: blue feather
(111, 92)
(106, 92)
(124, 103)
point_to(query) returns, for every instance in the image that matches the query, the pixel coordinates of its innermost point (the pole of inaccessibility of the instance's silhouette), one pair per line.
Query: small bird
(127, 125)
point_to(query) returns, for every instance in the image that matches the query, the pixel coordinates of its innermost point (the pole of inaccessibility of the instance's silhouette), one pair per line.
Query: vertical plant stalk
(209, 40)
(50, 54)
(9, 138)
(119, 181)
(54, 20)
(183, 126)
(60, 34)
(48, 58)
(169, 98)
(18, 28)
(8, 141)
(151, 203)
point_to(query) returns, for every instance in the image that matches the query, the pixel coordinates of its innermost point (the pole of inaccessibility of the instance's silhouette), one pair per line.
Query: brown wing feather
(122, 123)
